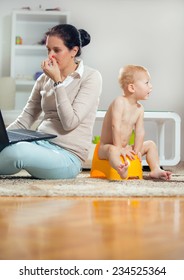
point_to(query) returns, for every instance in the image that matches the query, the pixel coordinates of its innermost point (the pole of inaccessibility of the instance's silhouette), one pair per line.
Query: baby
(124, 115)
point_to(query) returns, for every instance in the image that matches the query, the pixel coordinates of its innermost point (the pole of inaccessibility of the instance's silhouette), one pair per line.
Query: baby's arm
(139, 133)
(116, 116)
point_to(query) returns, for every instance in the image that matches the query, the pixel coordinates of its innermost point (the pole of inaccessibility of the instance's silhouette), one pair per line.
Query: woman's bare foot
(123, 170)
(160, 174)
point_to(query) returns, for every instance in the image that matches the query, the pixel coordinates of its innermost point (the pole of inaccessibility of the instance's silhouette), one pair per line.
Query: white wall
(146, 32)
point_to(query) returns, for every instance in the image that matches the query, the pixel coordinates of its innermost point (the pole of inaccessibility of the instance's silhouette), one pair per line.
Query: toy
(18, 40)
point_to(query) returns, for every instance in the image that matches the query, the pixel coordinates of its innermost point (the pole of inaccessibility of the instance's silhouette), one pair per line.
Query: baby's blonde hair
(127, 75)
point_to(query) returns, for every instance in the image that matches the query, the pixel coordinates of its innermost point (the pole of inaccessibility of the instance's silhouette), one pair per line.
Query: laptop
(8, 137)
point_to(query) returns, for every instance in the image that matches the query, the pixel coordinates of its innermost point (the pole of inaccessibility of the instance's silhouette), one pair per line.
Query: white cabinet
(26, 57)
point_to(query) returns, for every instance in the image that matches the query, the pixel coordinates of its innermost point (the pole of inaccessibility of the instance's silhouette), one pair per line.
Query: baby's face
(142, 85)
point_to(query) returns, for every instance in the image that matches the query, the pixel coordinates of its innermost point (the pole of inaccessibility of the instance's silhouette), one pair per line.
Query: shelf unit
(26, 57)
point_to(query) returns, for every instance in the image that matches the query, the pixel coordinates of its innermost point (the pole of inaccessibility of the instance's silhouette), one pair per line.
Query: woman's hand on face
(51, 69)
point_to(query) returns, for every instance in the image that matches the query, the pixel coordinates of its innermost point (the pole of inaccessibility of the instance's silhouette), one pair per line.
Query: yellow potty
(101, 168)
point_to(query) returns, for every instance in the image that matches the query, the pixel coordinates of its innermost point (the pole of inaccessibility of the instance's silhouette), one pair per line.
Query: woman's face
(57, 49)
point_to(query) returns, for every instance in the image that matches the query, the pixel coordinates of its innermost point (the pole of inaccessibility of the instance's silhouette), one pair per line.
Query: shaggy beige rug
(24, 185)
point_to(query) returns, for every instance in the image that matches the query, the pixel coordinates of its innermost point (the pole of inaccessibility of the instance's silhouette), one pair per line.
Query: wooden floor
(91, 228)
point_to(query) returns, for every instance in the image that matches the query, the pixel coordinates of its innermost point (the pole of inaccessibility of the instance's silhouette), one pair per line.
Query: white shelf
(29, 47)
(41, 16)
(22, 82)
(30, 50)
(26, 58)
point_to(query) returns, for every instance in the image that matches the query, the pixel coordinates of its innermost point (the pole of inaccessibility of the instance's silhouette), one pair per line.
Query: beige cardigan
(68, 112)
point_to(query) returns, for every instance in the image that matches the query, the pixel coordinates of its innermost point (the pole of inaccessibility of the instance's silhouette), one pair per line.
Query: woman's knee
(16, 151)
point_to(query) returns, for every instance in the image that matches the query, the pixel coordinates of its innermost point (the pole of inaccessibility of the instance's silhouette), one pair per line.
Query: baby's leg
(123, 170)
(150, 150)
(112, 154)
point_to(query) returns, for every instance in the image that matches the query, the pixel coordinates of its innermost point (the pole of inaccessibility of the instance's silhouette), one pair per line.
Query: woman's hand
(51, 69)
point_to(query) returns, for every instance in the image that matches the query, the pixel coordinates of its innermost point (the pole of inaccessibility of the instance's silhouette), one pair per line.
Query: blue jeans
(41, 159)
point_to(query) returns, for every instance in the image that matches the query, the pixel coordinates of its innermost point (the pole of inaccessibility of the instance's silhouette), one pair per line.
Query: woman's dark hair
(71, 36)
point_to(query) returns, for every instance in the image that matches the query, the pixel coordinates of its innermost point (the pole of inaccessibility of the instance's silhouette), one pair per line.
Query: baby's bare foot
(123, 170)
(160, 174)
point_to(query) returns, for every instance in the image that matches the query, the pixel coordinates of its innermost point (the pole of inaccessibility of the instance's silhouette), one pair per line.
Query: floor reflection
(91, 228)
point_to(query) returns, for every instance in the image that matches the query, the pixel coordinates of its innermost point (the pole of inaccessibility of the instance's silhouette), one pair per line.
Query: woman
(67, 94)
